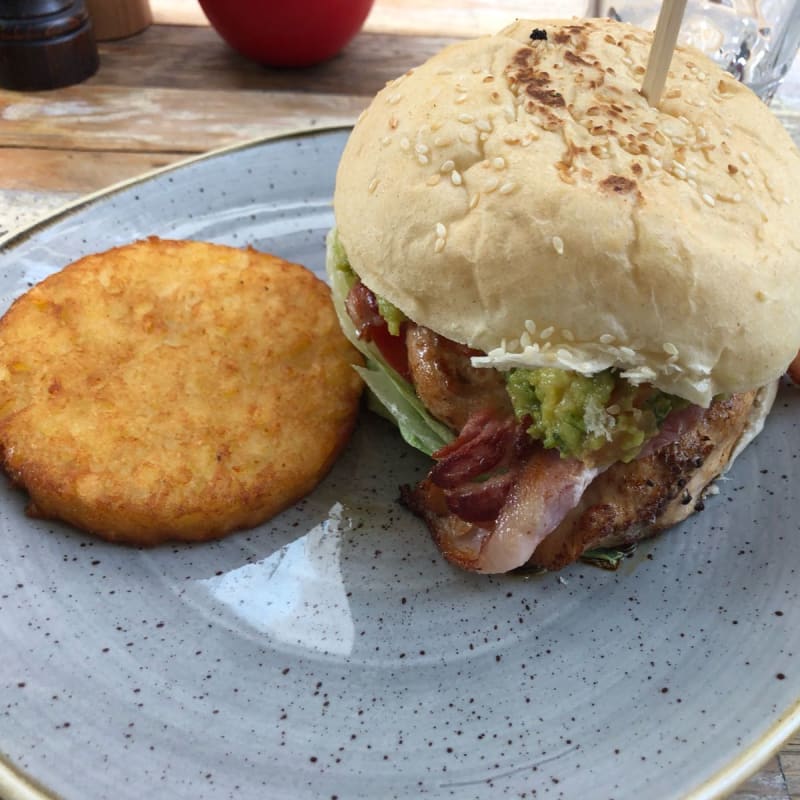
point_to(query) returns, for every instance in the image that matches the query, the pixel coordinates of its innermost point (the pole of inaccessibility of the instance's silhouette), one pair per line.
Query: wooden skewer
(664, 39)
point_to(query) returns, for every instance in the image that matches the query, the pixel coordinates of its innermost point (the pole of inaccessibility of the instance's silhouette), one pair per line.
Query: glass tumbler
(754, 40)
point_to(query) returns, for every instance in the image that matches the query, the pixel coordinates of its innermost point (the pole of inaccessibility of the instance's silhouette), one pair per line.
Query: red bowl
(287, 33)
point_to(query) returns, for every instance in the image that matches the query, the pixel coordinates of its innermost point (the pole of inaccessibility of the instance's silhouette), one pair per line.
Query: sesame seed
(373, 184)
(508, 187)
(442, 141)
(447, 166)
(558, 245)
(709, 200)
(438, 246)
(386, 140)
(745, 156)
(670, 349)
(473, 201)
(465, 137)
(433, 180)
(455, 177)
(547, 332)
(568, 335)
(423, 159)
(421, 148)
(466, 118)
(614, 409)
(530, 326)
(692, 182)
(525, 339)
(445, 71)
(394, 99)
(441, 230)
(461, 99)
(491, 184)
(405, 144)
(607, 338)
(737, 198)
(563, 353)
(483, 125)
(751, 183)
(627, 352)
(499, 162)
(655, 163)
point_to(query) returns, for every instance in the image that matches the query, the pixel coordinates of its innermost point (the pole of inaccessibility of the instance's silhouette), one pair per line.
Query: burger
(577, 303)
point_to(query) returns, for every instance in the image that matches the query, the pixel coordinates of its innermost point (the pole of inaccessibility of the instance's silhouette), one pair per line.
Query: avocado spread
(596, 418)
(391, 314)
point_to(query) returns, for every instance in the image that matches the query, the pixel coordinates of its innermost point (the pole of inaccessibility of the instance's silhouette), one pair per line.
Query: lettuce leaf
(608, 557)
(389, 394)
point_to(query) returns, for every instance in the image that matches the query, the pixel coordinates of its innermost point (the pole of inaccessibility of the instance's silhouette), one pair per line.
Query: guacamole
(597, 418)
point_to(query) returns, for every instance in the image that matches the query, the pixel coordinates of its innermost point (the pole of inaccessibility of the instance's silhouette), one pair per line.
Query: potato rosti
(173, 390)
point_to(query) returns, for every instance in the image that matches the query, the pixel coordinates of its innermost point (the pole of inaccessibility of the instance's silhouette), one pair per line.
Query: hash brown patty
(173, 390)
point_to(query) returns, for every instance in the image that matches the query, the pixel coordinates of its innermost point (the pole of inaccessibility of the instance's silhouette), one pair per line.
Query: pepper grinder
(45, 44)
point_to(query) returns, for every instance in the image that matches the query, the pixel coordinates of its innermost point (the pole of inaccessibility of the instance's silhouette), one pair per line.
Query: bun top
(518, 194)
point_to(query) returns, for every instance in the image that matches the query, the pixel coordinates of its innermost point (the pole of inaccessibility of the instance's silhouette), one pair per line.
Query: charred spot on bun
(577, 303)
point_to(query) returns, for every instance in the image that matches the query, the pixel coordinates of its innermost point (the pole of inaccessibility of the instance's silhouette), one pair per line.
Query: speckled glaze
(331, 653)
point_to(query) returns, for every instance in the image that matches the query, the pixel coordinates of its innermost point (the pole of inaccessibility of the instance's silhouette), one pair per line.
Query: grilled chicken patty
(622, 505)
(536, 507)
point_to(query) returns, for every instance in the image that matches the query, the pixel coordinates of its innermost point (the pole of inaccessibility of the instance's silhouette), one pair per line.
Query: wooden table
(176, 89)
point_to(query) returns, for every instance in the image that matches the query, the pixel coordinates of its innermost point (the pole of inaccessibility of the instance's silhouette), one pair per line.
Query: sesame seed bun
(518, 194)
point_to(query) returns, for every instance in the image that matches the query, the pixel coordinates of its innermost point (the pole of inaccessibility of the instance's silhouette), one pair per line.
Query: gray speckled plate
(332, 653)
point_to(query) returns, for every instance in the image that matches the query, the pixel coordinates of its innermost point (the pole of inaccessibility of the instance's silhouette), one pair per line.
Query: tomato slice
(362, 306)
(393, 348)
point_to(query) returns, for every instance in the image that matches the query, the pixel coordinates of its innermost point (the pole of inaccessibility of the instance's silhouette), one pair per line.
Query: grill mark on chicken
(447, 383)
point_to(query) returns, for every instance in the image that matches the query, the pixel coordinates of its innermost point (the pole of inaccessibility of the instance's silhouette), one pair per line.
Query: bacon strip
(674, 426)
(480, 447)
(547, 489)
(362, 308)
